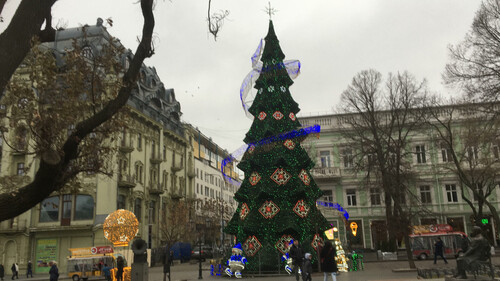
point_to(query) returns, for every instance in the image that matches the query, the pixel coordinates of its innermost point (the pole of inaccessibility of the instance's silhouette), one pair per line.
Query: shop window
(84, 207)
(49, 209)
(354, 233)
(427, 221)
(457, 223)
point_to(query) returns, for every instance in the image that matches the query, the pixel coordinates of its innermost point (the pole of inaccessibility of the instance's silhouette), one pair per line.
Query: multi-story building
(215, 179)
(436, 185)
(153, 164)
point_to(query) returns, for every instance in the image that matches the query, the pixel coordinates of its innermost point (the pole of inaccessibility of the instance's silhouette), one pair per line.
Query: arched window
(84, 207)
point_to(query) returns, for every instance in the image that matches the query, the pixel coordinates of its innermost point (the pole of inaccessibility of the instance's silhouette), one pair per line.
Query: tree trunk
(390, 222)
(409, 252)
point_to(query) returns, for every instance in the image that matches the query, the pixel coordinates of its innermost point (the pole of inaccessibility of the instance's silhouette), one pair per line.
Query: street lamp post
(199, 260)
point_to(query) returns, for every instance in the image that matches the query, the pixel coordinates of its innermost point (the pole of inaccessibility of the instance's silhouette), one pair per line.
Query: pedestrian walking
(327, 261)
(297, 256)
(119, 272)
(54, 271)
(29, 271)
(307, 268)
(2, 271)
(14, 272)
(439, 250)
(107, 272)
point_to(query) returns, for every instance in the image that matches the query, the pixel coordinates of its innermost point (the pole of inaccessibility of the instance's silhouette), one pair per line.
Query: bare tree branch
(15, 41)
(53, 173)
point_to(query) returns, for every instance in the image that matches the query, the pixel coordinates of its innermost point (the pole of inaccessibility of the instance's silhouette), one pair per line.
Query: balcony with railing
(176, 167)
(156, 158)
(326, 172)
(126, 180)
(126, 145)
(177, 193)
(155, 188)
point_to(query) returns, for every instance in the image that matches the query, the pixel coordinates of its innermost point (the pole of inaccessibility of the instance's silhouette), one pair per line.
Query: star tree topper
(270, 11)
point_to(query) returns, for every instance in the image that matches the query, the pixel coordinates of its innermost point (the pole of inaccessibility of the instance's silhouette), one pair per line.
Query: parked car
(206, 253)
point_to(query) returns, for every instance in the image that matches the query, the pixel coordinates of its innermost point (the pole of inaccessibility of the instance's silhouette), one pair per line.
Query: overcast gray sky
(333, 39)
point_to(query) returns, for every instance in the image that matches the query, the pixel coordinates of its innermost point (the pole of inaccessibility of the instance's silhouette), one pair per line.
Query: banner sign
(46, 251)
(97, 250)
(432, 228)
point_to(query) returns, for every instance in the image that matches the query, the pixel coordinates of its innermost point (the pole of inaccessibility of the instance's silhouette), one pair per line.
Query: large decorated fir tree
(277, 199)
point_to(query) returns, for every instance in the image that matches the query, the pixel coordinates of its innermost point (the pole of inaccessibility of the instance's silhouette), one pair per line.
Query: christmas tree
(277, 199)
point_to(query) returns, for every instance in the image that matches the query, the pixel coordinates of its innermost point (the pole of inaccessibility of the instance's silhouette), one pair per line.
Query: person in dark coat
(439, 250)
(328, 263)
(29, 271)
(297, 256)
(14, 271)
(54, 271)
(119, 265)
(2, 272)
(307, 268)
(107, 272)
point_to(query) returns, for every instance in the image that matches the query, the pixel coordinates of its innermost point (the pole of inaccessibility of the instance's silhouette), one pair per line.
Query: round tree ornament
(120, 227)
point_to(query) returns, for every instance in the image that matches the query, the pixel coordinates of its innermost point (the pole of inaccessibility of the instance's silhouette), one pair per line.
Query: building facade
(153, 164)
(215, 180)
(436, 186)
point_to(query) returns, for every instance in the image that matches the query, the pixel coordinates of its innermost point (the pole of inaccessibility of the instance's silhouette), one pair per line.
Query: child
(307, 268)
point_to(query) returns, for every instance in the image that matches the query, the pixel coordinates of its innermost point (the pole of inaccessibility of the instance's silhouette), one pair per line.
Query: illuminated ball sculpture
(120, 227)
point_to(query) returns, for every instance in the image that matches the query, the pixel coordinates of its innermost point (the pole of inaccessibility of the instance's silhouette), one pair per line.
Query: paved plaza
(373, 271)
